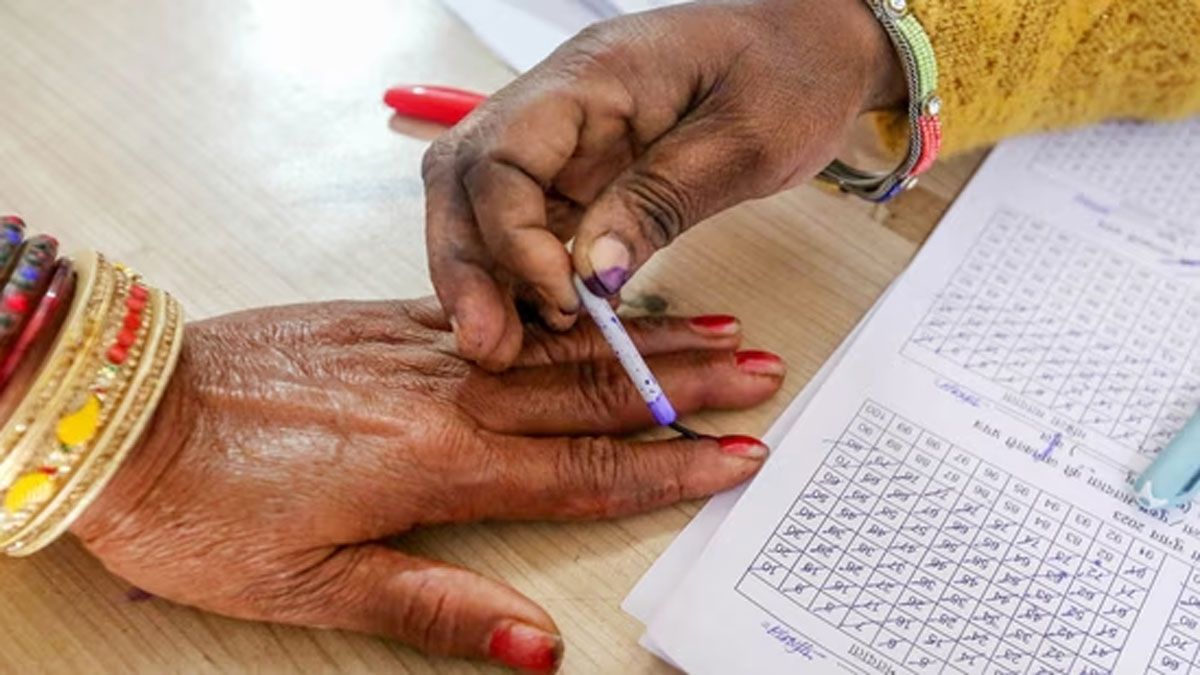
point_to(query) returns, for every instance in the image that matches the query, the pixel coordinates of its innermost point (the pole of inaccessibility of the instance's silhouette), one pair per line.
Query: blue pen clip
(1174, 476)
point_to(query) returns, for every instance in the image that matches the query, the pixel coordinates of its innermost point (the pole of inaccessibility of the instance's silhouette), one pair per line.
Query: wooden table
(238, 154)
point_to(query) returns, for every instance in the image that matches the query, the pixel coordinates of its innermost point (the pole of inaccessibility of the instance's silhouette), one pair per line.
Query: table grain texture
(238, 154)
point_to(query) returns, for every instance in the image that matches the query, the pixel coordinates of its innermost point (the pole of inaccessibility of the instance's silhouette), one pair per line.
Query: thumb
(695, 171)
(434, 607)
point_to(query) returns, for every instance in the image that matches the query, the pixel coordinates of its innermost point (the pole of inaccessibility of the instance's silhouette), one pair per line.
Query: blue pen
(1174, 476)
(633, 363)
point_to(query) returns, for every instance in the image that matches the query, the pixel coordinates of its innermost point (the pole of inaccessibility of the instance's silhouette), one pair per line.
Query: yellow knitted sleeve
(1008, 67)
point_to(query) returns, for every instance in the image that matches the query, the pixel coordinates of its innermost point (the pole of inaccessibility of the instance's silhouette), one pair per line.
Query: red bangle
(26, 284)
(62, 286)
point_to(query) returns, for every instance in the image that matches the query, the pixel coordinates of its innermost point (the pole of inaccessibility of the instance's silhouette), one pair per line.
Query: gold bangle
(81, 328)
(74, 420)
(77, 439)
(98, 468)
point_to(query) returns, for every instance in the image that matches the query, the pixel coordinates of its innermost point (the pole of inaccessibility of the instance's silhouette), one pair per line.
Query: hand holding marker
(1173, 478)
(446, 105)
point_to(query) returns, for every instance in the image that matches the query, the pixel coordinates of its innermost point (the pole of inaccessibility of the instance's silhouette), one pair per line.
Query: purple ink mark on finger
(606, 283)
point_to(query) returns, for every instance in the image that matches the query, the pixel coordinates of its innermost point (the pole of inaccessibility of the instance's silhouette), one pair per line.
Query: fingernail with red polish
(758, 362)
(715, 324)
(743, 446)
(521, 646)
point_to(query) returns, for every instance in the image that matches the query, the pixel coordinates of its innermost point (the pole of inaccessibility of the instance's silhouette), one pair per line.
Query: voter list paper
(661, 579)
(956, 497)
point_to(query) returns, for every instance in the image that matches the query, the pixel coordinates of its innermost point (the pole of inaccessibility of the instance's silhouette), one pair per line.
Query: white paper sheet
(523, 32)
(664, 575)
(955, 497)
(654, 587)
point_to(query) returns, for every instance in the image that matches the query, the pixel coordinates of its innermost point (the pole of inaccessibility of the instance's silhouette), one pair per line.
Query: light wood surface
(238, 154)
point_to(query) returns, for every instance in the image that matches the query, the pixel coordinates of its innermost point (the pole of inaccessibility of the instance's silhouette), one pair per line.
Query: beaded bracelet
(924, 109)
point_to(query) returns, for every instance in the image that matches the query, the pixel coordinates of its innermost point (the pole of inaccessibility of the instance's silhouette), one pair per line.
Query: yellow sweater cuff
(1009, 67)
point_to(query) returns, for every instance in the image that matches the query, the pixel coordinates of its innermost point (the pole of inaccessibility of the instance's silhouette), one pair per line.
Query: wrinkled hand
(291, 441)
(628, 135)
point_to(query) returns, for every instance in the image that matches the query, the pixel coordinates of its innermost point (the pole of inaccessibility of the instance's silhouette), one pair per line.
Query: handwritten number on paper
(923, 534)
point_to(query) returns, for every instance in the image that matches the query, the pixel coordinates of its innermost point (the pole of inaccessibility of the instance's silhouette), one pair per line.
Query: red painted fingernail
(758, 362)
(521, 646)
(715, 324)
(743, 446)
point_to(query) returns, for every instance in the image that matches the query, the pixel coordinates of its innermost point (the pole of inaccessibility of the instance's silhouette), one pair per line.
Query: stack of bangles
(106, 345)
(924, 109)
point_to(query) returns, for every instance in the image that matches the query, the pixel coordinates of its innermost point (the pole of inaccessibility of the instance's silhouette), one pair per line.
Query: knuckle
(714, 373)
(600, 40)
(661, 205)
(668, 486)
(613, 482)
(708, 365)
(599, 58)
(427, 615)
(594, 464)
(603, 388)
(476, 172)
(436, 157)
(595, 37)
(543, 347)
(613, 41)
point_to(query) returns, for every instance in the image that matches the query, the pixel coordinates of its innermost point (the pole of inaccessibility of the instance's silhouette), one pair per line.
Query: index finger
(595, 477)
(487, 328)
(507, 164)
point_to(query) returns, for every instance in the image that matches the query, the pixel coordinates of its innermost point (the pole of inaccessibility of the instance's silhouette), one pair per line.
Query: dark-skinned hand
(628, 135)
(293, 442)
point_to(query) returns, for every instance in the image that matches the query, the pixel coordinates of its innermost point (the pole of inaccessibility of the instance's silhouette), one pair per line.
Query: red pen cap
(444, 105)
